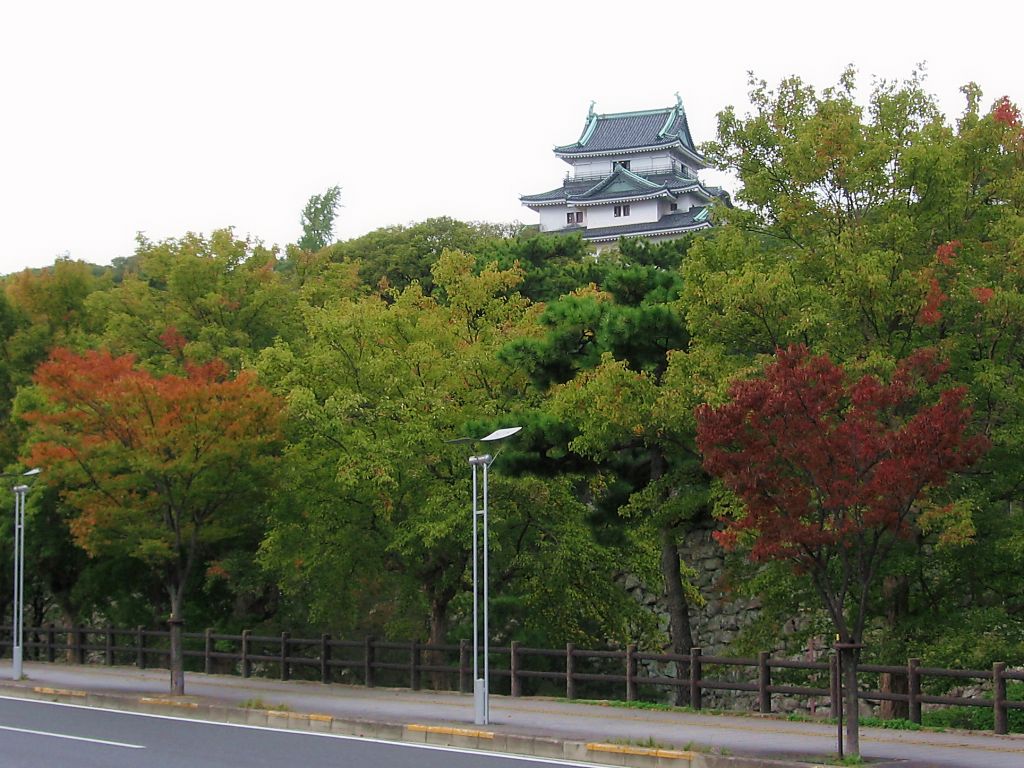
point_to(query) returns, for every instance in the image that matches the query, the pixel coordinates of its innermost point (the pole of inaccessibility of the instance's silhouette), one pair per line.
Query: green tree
(397, 256)
(318, 220)
(378, 502)
(604, 358)
(869, 233)
(197, 297)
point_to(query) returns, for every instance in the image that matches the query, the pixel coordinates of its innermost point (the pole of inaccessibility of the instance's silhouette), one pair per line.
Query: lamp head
(500, 434)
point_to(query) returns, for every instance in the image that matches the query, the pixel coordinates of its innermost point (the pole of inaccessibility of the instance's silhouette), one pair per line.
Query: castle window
(579, 217)
(621, 210)
(568, 218)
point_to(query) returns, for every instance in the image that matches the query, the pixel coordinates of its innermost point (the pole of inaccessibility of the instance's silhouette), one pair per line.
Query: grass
(648, 743)
(959, 718)
(258, 703)
(652, 705)
(896, 724)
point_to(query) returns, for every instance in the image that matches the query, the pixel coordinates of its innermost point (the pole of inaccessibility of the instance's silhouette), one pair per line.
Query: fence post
(140, 647)
(464, 666)
(208, 650)
(286, 671)
(516, 686)
(51, 641)
(631, 672)
(695, 675)
(246, 666)
(414, 664)
(368, 654)
(999, 697)
(834, 685)
(570, 680)
(108, 646)
(77, 652)
(764, 682)
(325, 658)
(914, 690)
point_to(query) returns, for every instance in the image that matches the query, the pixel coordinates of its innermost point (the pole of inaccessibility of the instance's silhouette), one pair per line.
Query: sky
(170, 117)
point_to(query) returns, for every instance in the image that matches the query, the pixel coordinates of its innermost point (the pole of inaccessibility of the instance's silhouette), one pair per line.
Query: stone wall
(716, 624)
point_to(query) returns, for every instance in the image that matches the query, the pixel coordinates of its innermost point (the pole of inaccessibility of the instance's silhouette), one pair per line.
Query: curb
(625, 755)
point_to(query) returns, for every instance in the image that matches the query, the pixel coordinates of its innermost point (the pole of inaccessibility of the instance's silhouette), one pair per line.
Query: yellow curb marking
(322, 718)
(448, 731)
(620, 749)
(169, 702)
(59, 691)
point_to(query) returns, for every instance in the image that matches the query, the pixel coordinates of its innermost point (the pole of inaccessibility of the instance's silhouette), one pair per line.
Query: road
(766, 737)
(34, 733)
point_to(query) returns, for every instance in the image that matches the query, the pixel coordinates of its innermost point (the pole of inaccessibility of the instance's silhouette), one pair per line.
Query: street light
(17, 631)
(481, 685)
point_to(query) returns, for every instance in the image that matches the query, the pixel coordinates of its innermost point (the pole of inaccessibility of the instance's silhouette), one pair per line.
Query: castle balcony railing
(658, 170)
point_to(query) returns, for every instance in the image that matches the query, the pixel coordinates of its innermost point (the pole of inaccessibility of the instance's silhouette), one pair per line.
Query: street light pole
(481, 684)
(19, 579)
(18, 631)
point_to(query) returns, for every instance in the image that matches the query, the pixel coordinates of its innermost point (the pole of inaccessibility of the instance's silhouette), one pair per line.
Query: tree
(373, 391)
(604, 358)
(552, 264)
(832, 474)
(219, 296)
(318, 220)
(158, 470)
(372, 532)
(870, 231)
(396, 256)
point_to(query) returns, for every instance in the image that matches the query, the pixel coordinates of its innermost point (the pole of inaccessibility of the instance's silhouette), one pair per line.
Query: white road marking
(73, 738)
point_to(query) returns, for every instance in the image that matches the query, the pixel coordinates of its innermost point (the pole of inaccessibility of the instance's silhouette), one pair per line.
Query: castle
(634, 174)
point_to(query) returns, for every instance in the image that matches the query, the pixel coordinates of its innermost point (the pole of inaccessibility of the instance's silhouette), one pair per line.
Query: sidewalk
(547, 727)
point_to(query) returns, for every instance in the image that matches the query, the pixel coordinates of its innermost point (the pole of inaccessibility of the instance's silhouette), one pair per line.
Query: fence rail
(403, 664)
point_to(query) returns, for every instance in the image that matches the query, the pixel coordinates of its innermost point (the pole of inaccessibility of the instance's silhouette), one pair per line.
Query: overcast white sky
(168, 117)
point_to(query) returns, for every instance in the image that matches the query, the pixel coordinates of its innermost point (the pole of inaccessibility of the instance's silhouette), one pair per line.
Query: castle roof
(622, 185)
(623, 131)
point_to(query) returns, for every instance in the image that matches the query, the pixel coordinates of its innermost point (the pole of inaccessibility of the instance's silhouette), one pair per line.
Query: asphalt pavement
(36, 733)
(682, 738)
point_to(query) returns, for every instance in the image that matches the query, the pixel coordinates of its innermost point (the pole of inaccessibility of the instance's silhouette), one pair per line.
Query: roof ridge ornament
(590, 112)
(679, 101)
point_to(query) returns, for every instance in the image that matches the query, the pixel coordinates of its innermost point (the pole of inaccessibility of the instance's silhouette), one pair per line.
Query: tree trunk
(680, 636)
(896, 591)
(438, 633)
(177, 663)
(894, 683)
(70, 618)
(850, 657)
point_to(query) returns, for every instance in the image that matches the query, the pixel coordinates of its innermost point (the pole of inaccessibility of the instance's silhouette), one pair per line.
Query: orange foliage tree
(160, 469)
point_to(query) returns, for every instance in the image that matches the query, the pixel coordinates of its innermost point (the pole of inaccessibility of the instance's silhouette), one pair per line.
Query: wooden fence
(563, 671)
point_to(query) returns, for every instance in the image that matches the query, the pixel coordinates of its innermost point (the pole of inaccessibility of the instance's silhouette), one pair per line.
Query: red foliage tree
(160, 469)
(833, 473)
